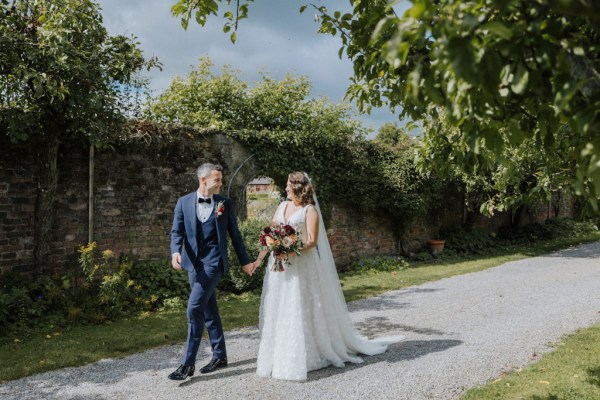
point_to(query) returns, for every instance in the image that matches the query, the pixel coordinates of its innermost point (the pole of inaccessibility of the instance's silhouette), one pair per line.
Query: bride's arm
(263, 253)
(312, 228)
(261, 256)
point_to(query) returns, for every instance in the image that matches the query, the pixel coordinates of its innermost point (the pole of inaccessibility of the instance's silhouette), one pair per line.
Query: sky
(275, 38)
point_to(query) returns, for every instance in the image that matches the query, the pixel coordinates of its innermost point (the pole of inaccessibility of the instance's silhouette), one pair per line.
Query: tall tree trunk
(44, 205)
(519, 216)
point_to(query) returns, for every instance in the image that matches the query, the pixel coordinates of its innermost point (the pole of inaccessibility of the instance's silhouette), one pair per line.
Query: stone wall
(136, 188)
(18, 183)
(137, 185)
(353, 237)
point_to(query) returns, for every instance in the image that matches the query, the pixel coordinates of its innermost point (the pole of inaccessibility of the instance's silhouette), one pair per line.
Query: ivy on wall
(365, 176)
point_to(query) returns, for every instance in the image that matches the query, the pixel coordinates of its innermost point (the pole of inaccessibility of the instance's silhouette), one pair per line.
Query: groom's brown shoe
(182, 372)
(215, 363)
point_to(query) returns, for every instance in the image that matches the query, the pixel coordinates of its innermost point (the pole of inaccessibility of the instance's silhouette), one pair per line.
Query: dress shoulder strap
(305, 209)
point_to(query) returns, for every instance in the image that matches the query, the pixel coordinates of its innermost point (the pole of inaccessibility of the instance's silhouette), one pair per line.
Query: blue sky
(276, 38)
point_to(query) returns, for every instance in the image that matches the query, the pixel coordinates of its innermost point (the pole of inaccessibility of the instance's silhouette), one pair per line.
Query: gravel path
(461, 332)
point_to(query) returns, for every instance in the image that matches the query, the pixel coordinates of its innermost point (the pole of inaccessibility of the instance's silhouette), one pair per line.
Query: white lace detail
(304, 321)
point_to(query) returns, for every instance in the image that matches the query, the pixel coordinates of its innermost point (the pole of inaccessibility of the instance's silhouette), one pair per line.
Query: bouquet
(281, 239)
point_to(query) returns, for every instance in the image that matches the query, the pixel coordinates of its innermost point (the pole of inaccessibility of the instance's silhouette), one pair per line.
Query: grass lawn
(79, 345)
(571, 372)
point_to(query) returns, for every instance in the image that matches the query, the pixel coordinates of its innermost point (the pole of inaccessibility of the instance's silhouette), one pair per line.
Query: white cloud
(275, 38)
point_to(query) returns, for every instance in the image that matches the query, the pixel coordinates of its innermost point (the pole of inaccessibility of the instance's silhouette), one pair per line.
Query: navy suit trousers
(202, 310)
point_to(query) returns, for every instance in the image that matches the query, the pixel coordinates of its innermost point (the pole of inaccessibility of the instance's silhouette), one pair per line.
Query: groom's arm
(236, 237)
(177, 234)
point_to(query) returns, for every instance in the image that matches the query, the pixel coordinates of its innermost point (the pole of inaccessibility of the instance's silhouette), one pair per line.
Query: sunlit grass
(570, 372)
(79, 345)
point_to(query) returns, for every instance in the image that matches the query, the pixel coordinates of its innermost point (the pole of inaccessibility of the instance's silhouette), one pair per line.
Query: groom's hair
(207, 168)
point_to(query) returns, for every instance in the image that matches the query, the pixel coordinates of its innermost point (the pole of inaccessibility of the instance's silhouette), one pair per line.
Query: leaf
(493, 140)
(490, 71)
(498, 29)
(515, 134)
(462, 58)
(417, 10)
(520, 79)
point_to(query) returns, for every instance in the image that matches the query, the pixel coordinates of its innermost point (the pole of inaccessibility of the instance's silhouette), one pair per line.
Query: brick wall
(137, 185)
(18, 184)
(136, 188)
(353, 237)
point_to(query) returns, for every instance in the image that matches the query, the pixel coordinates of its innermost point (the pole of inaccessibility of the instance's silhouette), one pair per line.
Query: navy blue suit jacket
(185, 240)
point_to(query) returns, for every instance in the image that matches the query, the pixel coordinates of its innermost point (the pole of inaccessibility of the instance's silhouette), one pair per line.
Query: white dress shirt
(203, 210)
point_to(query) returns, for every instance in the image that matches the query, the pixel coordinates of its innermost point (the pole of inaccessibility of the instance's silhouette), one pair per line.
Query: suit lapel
(193, 214)
(218, 219)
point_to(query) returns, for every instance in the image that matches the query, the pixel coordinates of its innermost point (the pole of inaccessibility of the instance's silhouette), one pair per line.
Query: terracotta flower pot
(435, 246)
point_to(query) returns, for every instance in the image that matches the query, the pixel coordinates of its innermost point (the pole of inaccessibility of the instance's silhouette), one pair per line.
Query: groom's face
(213, 182)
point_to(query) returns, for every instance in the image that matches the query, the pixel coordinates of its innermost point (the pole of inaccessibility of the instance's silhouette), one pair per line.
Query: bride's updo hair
(302, 188)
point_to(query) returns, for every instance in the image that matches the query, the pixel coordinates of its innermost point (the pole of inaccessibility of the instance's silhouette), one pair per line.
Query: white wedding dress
(304, 321)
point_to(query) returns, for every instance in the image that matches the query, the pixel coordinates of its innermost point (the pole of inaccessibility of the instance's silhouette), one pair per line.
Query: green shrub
(99, 290)
(236, 280)
(551, 229)
(377, 264)
(473, 242)
(160, 279)
(423, 256)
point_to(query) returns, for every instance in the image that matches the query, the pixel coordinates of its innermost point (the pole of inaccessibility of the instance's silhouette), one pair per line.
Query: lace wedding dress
(304, 321)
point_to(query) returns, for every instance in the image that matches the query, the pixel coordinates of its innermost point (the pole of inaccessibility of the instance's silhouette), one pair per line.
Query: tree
(222, 101)
(392, 135)
(519, 177)
(504, 71)
(61, 76)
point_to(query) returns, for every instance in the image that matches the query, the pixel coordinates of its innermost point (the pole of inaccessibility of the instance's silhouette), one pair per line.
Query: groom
(199, 245)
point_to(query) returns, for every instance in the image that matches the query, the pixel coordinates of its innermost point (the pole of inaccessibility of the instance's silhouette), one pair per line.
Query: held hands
(257, 263)
(249, 269)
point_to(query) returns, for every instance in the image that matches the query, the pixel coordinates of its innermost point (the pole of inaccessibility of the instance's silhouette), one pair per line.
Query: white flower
(287, 242)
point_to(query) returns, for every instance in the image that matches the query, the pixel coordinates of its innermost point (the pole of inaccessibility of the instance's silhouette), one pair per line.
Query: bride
(304, 321)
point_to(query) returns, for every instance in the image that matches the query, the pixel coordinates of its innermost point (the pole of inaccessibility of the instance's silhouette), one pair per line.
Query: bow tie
(201, 200)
